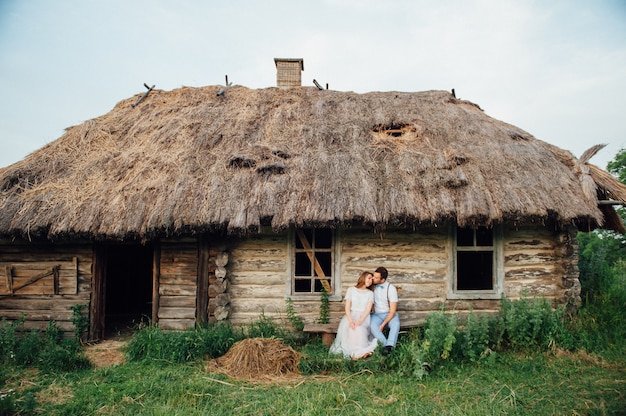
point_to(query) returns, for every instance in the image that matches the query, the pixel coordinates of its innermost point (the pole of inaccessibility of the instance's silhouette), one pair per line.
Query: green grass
(527, 360)
(512, 384)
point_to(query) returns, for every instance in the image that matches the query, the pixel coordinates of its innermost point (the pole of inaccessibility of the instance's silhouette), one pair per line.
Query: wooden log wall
(257, 271)
(542, 262)
(537, 262)
(417, 263)
(41, 301)
(177, 284)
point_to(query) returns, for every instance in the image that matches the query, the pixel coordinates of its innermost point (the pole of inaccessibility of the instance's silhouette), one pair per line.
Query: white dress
(354, 343)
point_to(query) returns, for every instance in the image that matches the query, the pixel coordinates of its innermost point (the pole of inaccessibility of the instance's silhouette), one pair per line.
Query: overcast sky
(556, 69)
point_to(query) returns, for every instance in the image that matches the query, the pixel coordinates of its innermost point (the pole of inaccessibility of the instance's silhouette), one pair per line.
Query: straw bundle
(255, 358)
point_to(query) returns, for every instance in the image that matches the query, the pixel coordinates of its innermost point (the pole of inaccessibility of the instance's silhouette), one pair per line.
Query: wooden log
(221, 259)
(220, 272)
(177, 301)
(176, 313)
(217, 288)
(222, 299)
(180, 290)
(221, 312)
(177, 324)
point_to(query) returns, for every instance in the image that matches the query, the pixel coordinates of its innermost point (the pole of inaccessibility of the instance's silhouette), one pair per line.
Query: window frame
(497, 266)
(335, 281)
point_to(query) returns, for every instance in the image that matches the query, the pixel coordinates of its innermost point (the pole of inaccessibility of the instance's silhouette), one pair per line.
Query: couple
(360, 330)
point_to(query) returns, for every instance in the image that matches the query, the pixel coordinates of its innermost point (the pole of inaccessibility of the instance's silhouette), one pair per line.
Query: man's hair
(382, 271)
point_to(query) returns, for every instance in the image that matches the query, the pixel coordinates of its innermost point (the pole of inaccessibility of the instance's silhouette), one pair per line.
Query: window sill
(474, 295)
(314, 297)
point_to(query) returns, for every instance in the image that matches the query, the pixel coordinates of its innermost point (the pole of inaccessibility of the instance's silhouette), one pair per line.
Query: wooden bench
(328, 331)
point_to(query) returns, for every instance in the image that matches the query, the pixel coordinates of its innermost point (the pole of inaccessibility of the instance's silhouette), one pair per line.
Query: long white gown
(354, 343)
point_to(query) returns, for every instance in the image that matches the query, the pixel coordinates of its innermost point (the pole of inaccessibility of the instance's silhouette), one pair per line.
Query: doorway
(128, 288)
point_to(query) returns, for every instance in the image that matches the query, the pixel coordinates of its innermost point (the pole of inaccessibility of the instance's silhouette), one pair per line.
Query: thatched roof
(188, 161)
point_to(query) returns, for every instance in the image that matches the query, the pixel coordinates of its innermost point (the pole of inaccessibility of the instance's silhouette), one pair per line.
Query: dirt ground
(106, 353)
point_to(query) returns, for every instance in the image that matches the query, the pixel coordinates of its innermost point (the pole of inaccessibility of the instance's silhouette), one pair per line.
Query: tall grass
(152, 343)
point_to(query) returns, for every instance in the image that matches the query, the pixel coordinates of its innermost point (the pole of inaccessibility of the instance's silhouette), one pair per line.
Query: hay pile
(258, 358)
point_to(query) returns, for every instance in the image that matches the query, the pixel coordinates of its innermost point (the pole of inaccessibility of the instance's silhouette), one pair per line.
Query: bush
(9, 339)
(475, 340)
(28, 348)
(529, 323)
(440, 336)
(66, 356)
(601, 324)
(44, 350)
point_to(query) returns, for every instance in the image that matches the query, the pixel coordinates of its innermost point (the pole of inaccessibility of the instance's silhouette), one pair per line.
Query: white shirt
(381, 301)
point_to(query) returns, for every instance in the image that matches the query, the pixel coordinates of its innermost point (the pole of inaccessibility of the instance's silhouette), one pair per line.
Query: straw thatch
(188, 161)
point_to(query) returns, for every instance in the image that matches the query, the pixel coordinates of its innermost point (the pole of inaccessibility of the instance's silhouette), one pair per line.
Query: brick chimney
(288, 72)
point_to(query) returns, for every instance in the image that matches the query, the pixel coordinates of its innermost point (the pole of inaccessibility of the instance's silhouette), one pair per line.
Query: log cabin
(209, 204)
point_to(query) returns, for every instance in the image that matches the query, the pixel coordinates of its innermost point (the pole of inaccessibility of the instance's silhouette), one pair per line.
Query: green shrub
(80, 319)
(440, 335)
(475, 339)
(409, 357)
(66, 356)
(28, 348)
(531, 323)
(296, 321)
(9, 339)
(324, 317)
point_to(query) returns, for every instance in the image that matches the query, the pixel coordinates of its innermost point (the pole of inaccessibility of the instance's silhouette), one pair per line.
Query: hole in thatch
(281, 154)
(457, 179)
(271, 170)
(10, 182)
(241, 162)
(455, 159)
(393, 130)
(517, 136)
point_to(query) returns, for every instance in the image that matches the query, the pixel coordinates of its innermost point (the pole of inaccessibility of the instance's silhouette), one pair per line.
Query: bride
(354, 339)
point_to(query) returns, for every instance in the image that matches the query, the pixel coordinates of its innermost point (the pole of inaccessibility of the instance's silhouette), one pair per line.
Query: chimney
(288, 71)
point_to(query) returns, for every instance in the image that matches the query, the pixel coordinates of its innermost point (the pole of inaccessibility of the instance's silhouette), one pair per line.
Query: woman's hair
(361, 281)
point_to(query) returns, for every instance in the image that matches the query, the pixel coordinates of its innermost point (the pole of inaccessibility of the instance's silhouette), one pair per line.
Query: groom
(385, 307)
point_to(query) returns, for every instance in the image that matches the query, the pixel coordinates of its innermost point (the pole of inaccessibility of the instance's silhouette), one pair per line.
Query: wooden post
(9, 276)
(98, 293)
(202, 294)
(156, 273)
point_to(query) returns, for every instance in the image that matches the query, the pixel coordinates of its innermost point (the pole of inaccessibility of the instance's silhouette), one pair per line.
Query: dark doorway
(128, 284)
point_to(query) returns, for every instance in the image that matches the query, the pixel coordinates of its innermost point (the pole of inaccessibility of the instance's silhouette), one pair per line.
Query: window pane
(324, 261)
(474, 270)
(464, 237)
(318, 284)
(302, 285)
(308, 235)
(323, 238)
(303, 265)
(484, 236)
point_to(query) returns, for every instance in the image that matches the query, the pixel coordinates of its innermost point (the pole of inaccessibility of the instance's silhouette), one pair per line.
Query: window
(477, 271)
(313, 260)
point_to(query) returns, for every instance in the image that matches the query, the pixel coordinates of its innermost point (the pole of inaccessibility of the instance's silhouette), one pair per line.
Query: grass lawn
(511, 384)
